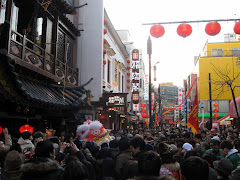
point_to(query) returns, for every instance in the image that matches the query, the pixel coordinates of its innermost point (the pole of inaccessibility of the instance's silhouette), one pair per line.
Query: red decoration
(184, 30)
(237, 27)
(216, 115)
(128, 67)
(143, 110)
(104, 51)
(26, 128)
(128, 80)
(215, 110)
(165, 108)
(144, 115)
(104, 41)
(174, 108)
(179, 107)
(105, 21)
(128, 61)
(170, 108)
(212, 28)
(157, 30)
(128, 87)
(128, 74)
(215, 104)
(1, 129)
(105, 31)
(143, 105)
(104, 62)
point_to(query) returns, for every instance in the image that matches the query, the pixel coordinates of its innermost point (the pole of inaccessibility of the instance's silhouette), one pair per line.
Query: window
(217, 52)
(2, 11)
(108, 71)
(235, 52)
(49, 36)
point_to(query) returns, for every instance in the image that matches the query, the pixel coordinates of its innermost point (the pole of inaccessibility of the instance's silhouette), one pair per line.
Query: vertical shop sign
(135, 76)
(146, 79)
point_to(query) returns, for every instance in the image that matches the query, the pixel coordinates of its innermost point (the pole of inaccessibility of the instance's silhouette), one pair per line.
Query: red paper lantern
(143, 105)
(215, 110)
(179, 107)
(170, 108)
(144, 115)
(128, 61)
(184, 30)
(174, 108)
(105, 21)
(104, 62)
(212, 28)
(128, 80)
(105, 31)
(143, 110)
(1, 129)
(237, 27)
(128, 74)
(128, 67)
(157, 30)
(216, 115)
(104, 51)
(104, 41)
(215, 104)
(128, 87)
(26, 128)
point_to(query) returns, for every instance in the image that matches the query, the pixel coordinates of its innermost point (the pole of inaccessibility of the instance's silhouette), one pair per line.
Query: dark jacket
(42, 169)
(121, 160)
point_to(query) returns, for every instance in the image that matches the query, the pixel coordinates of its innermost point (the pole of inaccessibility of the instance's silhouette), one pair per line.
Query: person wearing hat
(13, 165)
(187, 147)
(25, 142)
(223, 168)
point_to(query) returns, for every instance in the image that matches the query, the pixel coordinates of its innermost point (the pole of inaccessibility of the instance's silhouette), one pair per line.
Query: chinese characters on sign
(146, 79)
(135, 78)
(45, 4)
(115, 101)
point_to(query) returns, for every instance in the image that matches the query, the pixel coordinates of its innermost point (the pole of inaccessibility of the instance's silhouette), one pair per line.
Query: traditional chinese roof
(35, 93)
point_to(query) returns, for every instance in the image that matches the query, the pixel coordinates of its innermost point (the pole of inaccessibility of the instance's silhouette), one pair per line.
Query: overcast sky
(176, 54)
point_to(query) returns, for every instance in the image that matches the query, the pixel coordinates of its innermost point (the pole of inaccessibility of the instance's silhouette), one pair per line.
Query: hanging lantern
(50, 132)
(152, 108)
(215, 110)
(237, 27)
(105, 21)
(128, 74)
(128, 67)
(179, 107)
(128, 61)
(128, 80)
(128, 87)
(170, 108)
(216, 115)
(212, 28)
(104, 41)
(174, 108)
(105, 31)
(215, 104)
(143, 110)
(143, 105)
(184, 30)
(104, 62)
(104, 51)
(157, 30)
(26, 128)
(1, 129)
(165, 108)
(144, 115)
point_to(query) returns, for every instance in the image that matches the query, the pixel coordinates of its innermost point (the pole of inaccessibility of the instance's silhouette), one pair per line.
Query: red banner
(193, 122)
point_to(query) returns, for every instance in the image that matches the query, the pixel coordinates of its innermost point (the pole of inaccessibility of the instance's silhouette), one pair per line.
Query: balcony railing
(221, 53)
(34, 57)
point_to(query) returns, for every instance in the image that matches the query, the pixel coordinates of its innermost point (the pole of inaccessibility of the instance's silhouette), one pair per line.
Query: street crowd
(173, 153)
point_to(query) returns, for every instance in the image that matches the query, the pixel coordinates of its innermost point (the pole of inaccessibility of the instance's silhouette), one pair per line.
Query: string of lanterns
(212, 28)
(215, 110)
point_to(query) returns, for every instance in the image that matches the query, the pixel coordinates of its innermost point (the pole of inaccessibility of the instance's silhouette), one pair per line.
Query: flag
(193, 122)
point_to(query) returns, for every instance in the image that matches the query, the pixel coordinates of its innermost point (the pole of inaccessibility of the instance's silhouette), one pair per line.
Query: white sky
(176, 54)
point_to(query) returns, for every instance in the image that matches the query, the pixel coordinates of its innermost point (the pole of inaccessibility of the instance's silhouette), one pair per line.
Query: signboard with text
(135, 76)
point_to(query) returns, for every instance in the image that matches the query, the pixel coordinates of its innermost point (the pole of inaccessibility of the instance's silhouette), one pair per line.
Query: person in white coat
(25, 142)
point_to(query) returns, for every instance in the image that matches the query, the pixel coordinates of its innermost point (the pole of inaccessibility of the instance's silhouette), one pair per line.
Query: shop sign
(115, 101)
(135, 75)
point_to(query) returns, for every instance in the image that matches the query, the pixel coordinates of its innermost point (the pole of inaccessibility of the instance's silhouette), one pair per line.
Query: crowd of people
(173, 153)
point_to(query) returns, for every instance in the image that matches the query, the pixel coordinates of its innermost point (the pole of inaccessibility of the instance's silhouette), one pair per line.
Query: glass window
(49, 36)
(2, 11)
(217, 52)
(235, 52)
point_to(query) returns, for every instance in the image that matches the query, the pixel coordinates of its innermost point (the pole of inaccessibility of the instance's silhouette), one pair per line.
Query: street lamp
(155, 69)
(149, 52)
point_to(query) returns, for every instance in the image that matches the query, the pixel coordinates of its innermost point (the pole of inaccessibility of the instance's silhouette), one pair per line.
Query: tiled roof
(34, 93)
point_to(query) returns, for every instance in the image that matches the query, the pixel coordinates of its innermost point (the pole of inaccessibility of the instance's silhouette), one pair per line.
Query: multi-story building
(220, 62)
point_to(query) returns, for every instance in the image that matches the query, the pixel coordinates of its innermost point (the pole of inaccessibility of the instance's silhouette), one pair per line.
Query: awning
(36, 93)
(223, 118)
(207, 115)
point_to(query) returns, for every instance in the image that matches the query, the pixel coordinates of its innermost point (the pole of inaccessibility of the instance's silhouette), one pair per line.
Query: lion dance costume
(93, 131)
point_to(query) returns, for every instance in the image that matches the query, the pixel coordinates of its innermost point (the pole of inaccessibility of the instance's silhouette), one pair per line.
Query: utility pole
(149, 52)
(210, 98)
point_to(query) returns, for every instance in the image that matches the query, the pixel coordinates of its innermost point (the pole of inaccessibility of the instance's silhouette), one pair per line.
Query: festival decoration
(128, 61)
(26, 128)
(104, 51)
(144, 115)
(105, 21)
(105, 31)
(215, 110)
(143, 105)
(128, 67)
(128, 80)
(216, 115)
(104, 41)
(237, 27)
(157, 30)
(50, 132)
(212, 28)
(128, 74)
(184, 30)
(1, 129)
(143, 110)
(215, 104)
(104, 62)
(93, 131)
(128, 87)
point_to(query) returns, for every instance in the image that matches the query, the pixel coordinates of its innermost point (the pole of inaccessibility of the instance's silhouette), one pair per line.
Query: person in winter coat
(42, 166)
(230, 153)
(25, 142)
